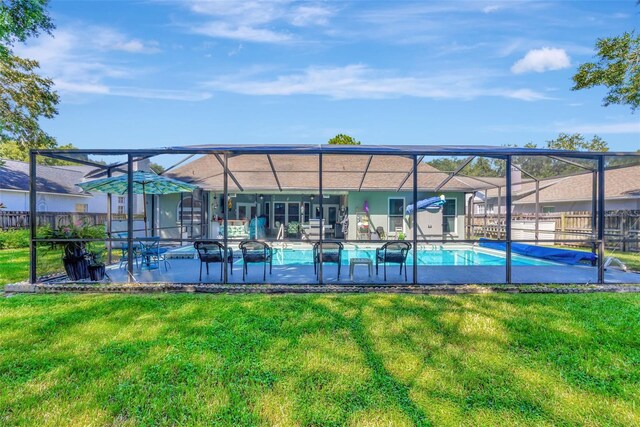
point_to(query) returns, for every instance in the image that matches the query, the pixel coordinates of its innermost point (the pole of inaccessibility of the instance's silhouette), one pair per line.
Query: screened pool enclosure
(326, 214)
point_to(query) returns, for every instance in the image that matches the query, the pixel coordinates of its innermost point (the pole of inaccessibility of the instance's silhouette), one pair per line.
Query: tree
(618, 68)
(342, 139)
(11, 150)
(576, 142)
(25, 97)
(159, 169)
(20, 20)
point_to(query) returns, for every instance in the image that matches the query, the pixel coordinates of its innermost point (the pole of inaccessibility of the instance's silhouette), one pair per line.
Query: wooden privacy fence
(622, 228)
(10, 220)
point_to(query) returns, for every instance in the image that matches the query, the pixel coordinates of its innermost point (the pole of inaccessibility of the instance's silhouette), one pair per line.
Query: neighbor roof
(290, 172)
(619, 183)
(14, 175)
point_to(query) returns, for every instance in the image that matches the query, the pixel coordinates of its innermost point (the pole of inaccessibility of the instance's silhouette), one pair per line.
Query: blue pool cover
(566, 256)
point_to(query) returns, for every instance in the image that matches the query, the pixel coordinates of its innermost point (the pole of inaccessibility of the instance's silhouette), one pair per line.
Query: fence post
(623, 230)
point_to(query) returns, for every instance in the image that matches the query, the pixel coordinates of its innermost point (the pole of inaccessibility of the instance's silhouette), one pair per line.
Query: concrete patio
(187, 271)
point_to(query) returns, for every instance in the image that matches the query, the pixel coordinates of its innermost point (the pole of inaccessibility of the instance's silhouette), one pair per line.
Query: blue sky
(165, 73)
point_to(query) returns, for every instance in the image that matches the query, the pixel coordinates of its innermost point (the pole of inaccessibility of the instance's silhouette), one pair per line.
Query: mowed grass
(14, 264)
(362, 360)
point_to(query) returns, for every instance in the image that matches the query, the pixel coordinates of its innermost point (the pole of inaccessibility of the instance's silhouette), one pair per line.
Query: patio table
(359, 261)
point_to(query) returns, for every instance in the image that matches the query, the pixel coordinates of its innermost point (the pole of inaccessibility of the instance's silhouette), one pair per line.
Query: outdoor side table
(359, 261)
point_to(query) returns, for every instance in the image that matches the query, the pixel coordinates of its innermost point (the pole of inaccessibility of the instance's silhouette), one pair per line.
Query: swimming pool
(438, 256)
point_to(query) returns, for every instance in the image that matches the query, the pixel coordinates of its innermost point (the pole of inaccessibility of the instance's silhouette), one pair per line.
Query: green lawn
(14, 264)
(320, 360)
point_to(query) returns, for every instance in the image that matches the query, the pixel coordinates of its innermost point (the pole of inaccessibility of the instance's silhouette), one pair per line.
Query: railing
(11, 220)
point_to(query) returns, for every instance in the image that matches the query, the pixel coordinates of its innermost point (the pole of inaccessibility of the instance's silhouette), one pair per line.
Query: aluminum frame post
(594, 204)
(415, 220)
(225, 189)
(33, 255)
(601, 212)
(109, 218)
(321, 238)
(507, 219)
(130, 216)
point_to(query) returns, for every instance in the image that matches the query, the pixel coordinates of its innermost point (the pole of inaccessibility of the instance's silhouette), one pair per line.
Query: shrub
(14, 239)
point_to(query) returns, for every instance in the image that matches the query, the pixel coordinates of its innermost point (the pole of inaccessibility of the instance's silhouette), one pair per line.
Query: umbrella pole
(144, 210)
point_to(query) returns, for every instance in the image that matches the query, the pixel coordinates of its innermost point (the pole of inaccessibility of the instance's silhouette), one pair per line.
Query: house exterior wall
(578, 206)
(15, 200)
(378, 211)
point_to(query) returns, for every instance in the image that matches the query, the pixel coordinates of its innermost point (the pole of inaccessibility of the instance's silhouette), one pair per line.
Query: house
(573, 193)
(371, 192)
(56, 189)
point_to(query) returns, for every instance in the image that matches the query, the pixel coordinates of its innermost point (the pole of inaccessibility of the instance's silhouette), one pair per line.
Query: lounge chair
(393, 253)
(210, 251)
(254, 251)
(331, 253)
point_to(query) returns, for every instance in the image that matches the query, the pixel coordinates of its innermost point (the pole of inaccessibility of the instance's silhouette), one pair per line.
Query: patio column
(537, 225)
(415, 220)
(499, 209)
(601, 207)
(225, 191)
(507, 218)
(130, 216)
(32, 218)
(321, 238)
(109, 209)
(594, 205)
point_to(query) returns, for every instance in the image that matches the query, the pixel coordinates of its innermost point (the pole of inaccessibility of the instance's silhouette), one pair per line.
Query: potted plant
(75, 257)
(401, 236)
(97, 268)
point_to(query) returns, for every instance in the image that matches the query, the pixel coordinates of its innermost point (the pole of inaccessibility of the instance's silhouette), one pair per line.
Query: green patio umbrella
(143, 183)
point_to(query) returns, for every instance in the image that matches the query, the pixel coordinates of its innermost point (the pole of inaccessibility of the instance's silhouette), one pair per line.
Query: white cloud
(256, 21)
(540, 60)
(240, 32)
(358, 81)
(84, 65)
(602, 128)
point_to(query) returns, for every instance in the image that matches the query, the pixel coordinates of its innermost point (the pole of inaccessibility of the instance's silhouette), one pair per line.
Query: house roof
(290, 172)
(619, 183)
(14, 175)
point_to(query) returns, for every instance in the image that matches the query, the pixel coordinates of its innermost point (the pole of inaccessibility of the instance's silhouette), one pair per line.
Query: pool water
(453, 257)
(444, 257)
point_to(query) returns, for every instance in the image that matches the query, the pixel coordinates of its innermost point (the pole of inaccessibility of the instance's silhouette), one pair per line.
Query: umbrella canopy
(432, 203)
(143, 183)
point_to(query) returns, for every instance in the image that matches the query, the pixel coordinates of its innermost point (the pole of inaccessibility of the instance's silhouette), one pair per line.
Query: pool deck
(186, 271)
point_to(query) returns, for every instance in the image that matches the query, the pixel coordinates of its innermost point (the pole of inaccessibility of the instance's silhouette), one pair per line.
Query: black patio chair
(393, 253)
(210, 252)
(254, 251)
(331, 253)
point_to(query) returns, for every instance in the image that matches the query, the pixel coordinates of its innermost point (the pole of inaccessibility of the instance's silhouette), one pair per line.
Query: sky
(148, 74)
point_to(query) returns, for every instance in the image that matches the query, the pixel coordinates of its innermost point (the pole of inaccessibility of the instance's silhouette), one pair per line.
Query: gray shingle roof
(14, 175)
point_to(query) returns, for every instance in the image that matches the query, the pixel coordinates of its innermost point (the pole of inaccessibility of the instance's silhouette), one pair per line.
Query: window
(294, 212)
(82, 207)
(449, 216)
(396, 215)
(307, 212)
(548, 209)
(121, 210)
(121, 200)
(190, 211)
(267, 212)
(279, 212)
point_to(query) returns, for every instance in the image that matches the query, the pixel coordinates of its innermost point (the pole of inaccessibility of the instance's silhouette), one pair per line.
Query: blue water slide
(426, 204)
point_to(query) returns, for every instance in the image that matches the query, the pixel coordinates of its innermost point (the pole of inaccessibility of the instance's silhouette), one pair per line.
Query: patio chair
(393, 253)
(210, 251)
(152, 254)
(124, 251)
(254, 251)
(331, 253)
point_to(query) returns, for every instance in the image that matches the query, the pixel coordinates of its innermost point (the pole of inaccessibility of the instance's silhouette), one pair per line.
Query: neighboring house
(56, 189)
(570, 193)
(284, 188)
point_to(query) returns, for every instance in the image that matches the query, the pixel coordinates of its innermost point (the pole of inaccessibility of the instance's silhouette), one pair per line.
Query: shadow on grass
(319, 360)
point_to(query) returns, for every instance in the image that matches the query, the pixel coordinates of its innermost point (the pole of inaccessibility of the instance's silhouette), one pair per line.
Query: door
(246, 211)
(329, 213)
